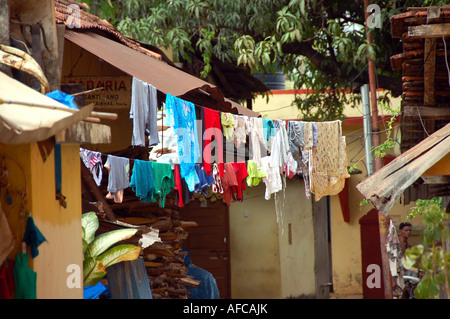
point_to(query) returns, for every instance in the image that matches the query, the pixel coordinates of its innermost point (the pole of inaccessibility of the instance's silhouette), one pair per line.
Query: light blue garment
(185, 127)
(143, 112)
(269, 131)
(63, 98)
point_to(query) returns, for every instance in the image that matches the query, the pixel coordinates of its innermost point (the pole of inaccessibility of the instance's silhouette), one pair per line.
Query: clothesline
(185, 163)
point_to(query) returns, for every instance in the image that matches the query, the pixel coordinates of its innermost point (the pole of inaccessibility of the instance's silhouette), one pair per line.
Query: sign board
(115, 95)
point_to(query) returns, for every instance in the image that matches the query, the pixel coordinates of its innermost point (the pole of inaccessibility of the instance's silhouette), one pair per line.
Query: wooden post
(382, 222)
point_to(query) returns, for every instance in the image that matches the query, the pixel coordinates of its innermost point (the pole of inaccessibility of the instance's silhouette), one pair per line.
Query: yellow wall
(263, 263)
(345, 237)
(297, 260)
(61, 226)
(254, 251)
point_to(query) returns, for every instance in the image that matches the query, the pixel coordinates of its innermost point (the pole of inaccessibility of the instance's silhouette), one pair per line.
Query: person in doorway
(403, 235)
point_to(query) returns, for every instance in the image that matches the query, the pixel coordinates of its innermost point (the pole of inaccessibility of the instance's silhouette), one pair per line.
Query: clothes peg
(24, 248)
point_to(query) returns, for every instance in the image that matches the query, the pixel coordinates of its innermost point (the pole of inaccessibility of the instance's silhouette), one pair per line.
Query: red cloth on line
(229, 183)
(240, 168)
(212, 127)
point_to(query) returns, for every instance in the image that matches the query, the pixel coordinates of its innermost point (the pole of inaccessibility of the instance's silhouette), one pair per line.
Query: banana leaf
(93, 271)
(103, 241)
(119, 253)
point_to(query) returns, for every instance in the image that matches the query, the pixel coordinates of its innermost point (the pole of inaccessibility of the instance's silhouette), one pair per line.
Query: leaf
(89, 222)
(93, 271)
(427, 288)
(106, 240)
(119, 253)
(411, 256)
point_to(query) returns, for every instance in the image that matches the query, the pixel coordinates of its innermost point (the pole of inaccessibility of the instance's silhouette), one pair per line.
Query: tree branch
(333, 69)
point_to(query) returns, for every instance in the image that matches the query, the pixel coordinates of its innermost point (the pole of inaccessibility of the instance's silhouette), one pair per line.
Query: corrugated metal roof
(28, 116)
(161, 75)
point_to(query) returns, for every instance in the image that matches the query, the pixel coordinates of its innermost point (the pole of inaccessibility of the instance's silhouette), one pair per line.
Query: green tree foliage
(432, 256)
(320, 44)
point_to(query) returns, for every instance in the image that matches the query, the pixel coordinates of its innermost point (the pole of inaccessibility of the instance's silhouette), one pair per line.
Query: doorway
(208, 243)
(322, 243)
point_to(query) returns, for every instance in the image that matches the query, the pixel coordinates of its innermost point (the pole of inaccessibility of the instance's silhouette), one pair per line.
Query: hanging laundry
(394, 252)
(273, 178)
(93, 161)
(290, 167)
(241, 172)
(167, 150)
(310, 135)
(296, 140)
(119, 179)
(269, 132)
(142, 180)
(240, 130)
(229, 183)
(305, 171)
(164, 181)
(182, 194)
(328, 161)
(217, 185)
(227, 122)
(33, 237)
(205, 180)
(280, 146)
(6, 237)
(255, 175)
(255, 128)
(212, 131)
(24, 278)
(7, 279)
(143, 112)
(185, 126)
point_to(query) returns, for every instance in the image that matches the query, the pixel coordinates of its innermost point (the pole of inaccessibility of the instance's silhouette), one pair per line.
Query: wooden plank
(385, 186)
(429, 71)
(433, 14)
(438, 113)
(429, 31)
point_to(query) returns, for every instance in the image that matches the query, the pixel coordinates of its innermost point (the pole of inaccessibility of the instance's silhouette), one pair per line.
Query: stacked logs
(164, 259)
(425, 74)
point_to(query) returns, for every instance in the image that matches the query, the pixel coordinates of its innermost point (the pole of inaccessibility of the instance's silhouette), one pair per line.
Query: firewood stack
(164, 259)
(424, 67)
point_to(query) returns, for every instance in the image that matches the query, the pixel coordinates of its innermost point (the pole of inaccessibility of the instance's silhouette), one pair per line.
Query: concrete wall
(345, 237)
(264, 264)
(61, 226)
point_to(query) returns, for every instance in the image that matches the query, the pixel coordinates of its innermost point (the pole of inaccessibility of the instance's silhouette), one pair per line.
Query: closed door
(322, 248)
(208, 243)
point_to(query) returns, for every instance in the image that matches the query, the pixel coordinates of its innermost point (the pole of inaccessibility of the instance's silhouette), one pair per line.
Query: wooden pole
(378, 162)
